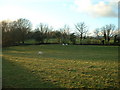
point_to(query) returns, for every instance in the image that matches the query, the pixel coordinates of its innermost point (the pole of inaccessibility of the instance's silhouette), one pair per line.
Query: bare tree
(58, 36)
(65, 34)
(73, 38)
(108, 31)
(41, 32)
(97, 32)
(82, 29)
(7, 39)
(48, 34)
(103, 31)
(23, 26)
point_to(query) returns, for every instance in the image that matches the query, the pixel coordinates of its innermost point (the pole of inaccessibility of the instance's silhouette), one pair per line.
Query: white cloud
(103, 8)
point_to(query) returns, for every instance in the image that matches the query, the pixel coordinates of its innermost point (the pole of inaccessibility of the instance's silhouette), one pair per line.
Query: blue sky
(57, 13)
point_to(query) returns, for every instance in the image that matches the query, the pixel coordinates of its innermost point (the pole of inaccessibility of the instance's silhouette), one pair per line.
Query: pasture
(72, 66)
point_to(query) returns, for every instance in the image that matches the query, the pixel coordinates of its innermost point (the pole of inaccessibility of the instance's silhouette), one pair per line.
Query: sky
(57, 13)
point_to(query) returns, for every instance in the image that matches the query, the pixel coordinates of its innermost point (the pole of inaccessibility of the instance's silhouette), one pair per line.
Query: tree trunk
(81, 39)
(23, 42)
(108, 39)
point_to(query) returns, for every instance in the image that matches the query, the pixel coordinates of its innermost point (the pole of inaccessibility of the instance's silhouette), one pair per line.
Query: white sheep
(39, 53)
(64, 44)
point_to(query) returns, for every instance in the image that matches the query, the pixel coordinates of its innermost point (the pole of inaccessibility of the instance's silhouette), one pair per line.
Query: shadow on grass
(16, 76)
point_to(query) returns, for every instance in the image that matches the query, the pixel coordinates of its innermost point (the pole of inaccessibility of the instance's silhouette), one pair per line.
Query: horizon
(57, 13)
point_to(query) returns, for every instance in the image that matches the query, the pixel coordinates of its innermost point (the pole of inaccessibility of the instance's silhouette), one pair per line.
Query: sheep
(40, 52)
(64, 44)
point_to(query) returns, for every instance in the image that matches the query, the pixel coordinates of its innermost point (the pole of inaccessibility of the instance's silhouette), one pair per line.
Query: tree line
(18, 31)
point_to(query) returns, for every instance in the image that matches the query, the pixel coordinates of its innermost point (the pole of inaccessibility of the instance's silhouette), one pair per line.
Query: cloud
(103, 8)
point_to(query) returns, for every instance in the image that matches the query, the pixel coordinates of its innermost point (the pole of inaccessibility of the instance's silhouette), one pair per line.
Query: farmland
(72, 66)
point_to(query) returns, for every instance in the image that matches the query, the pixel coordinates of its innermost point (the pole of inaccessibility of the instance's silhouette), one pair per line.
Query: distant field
(85, 41)
(72, 66)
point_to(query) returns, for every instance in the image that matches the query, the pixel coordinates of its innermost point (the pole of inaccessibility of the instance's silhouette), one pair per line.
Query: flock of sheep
(40, 52)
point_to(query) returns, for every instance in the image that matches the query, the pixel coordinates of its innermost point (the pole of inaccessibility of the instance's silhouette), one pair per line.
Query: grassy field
(85, 41)
(60, 66)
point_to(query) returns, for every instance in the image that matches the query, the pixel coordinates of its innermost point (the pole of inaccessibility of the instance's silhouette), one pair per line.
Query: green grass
(84, 41)
(60, 66)
(31, 41)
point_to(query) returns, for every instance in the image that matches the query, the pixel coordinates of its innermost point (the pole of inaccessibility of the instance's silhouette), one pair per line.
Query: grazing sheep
(39, 53)
(64, 44)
